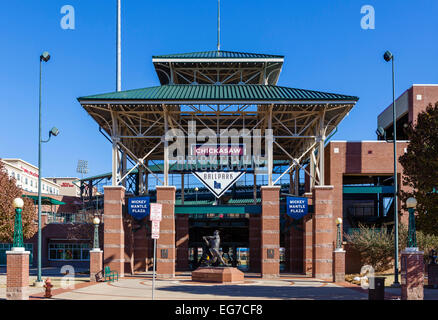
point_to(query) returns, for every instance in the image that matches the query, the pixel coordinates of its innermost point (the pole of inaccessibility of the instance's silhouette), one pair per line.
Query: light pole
(96, 222)
(18, 244)
(196, 190)
(411, 203)
(388, 56)
(338, 235)
(44, 57)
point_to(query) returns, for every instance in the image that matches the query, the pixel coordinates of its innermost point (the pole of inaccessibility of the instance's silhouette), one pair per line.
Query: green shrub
(376, 245)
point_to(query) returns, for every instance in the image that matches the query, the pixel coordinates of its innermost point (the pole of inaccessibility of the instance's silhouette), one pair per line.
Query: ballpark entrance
(216, 111)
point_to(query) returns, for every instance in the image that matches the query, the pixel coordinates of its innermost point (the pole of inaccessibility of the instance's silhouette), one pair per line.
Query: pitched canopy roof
(218, 55)
(220, 92)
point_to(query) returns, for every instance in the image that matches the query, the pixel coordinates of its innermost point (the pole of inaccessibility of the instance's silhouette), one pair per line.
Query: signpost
(155, 217)
(297, 207)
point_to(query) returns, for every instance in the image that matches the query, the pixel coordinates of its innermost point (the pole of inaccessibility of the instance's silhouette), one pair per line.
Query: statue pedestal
(218, 275)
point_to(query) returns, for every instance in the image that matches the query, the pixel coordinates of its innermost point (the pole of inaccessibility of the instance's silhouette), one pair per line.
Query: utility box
(378, 293)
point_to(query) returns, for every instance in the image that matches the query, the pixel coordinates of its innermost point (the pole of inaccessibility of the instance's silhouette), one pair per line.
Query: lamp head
(54, 131)
(338, 221)
(380, 132)
(196, 189)
(388, 56)
(45, 56)
(96, 221)
(411, 203)
(18, 203)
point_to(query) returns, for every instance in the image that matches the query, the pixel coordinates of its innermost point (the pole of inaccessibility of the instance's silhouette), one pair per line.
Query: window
(18, 177)
(25, 180)
(31, 183)
(13, 174)
(69, 251)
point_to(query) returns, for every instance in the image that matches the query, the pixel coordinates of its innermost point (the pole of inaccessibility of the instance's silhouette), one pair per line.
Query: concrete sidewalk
(182, 288)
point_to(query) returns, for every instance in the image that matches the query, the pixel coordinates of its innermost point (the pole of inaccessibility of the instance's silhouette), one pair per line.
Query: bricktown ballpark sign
(218, 182)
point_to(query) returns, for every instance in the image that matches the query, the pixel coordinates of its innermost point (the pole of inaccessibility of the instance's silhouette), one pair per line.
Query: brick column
(182, 242)
(141, 249)
(308, 239)
(323, 233)
(339, 265)
(412, 275)
(254, 243)
(17, 275)
(166, 243)
(270, 232)
(96, 259)
(114, 236)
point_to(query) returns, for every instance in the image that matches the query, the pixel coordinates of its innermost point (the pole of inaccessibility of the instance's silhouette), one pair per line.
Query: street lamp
(338, 235)
(411, 203)
(196, 190)
(96, 222)
(388, 56)
(53, 132)
(18, 244)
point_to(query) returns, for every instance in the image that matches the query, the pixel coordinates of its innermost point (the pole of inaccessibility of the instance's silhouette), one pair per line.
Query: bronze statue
(211, 250)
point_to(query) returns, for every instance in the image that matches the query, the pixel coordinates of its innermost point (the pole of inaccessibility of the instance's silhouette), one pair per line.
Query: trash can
(378, 293)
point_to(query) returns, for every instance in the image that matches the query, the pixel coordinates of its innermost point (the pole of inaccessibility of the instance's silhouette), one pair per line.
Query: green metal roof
(230, 92)
(44, 200)
(218, 55)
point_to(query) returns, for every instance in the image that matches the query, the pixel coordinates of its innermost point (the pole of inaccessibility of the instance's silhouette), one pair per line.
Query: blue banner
(297, 207)
(139, 208)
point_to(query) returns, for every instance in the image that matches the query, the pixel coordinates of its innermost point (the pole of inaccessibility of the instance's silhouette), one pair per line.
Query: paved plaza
(139, 287)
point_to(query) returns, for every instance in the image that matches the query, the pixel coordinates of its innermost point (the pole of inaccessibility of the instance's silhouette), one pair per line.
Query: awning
(44, 200)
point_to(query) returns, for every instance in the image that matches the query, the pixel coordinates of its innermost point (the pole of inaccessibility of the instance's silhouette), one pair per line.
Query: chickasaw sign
(218, 182)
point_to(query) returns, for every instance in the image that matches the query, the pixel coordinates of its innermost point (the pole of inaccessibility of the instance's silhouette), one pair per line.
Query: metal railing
(63, 218)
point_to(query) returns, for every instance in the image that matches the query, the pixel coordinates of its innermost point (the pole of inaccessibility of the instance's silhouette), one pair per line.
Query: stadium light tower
(82, 168)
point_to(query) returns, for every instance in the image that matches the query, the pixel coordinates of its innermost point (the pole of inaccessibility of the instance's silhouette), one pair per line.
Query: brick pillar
(308, 239)
(182, 242)
(323, 233)
(96, 259)
(254, 243)
(412, 275)
(114, 236)
(296, 248)
(166, 243)
(270, 232)
(339, 265)
(17, 275)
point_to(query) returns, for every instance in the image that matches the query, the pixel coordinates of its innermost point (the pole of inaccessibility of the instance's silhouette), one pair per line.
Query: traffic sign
(155, 229)
(156, 209)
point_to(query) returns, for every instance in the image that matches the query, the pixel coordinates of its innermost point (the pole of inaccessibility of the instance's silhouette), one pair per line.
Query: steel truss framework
(213, 73)
(299, 130)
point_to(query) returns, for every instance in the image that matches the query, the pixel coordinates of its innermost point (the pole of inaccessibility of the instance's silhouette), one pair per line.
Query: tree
(8, 192)
(420, 169)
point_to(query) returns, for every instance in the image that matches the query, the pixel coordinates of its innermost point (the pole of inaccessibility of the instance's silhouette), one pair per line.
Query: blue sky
(325, 47)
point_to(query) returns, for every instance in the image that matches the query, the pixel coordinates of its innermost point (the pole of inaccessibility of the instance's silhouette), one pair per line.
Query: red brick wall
(429, 95)
(361, 158)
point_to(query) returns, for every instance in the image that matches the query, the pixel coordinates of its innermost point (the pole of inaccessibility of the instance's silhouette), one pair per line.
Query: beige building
(26, 176)
(67, 186)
